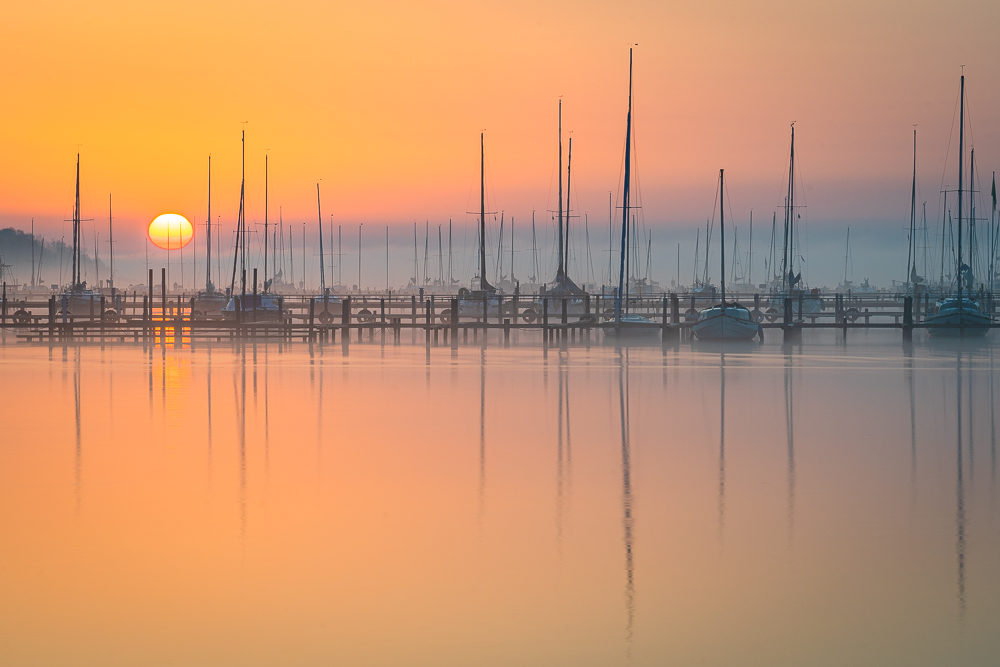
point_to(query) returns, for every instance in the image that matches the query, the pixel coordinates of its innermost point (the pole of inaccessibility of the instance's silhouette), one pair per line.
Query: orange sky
(384, 103)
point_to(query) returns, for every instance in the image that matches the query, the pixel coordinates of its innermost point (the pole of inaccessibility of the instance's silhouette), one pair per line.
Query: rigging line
(951, 136)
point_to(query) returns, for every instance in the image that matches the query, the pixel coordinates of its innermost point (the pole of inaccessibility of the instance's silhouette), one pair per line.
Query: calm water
(823, 505)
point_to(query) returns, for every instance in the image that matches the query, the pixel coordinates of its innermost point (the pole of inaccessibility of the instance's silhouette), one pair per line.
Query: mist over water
(822, 503)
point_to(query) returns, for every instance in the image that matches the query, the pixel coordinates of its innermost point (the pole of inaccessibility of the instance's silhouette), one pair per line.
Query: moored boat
(726, 321)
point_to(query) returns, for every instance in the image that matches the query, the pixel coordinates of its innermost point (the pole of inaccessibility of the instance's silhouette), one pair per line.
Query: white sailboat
(725, 321)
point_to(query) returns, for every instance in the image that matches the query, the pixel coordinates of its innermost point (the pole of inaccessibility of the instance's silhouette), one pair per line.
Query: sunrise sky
(383, 104)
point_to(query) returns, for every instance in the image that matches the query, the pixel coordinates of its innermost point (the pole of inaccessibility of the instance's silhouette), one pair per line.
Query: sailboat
(78, 300)
(326, 300)
(470, 302)
(791, 282)
(627, 325)
(564, 286)
(959, 315)
(208, 302)
(725, 321)
(256, 306)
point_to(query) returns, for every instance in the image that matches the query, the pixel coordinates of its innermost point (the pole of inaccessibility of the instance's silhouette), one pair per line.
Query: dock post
(454, 322)
(908, 318)
(253, 311)
(163, 299)
(413, 318)
(486, 315)
(147, 305)
(3, 307)
(345, 321)
(506, 332)
(178, 333)
(545, 318)
(381, 303)
(427, 314)
(281, 316)
(312, 316)
(787, 325)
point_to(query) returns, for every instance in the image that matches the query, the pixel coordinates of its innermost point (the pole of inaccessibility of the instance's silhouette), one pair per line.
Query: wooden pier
(134, 318)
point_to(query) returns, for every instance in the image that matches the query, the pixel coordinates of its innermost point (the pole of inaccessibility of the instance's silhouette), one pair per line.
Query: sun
(170, 231)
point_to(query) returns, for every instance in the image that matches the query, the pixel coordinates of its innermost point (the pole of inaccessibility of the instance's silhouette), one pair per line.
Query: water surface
(822, 504)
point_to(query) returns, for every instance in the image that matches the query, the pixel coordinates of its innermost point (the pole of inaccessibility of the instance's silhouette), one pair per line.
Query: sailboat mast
(499, 271)
(913, 213)
(560, 272)
(708, 247)
(451, 272)
(239, 246)
(611, 239)
(961, 158)
(208, 236)
(569, 169)
(534, 250)
(291, 249)
(512, 251)
(847, 253)
(483, 284)
(628, 173)
(242, 240)
(265, 222)
(697, 245)
(76, 228)
(111, 245)
(791, 207)
(722, 232)
(322, 263)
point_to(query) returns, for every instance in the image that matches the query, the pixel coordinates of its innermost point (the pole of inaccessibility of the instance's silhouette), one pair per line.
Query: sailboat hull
(953, 318)
(210, 304)
(733, 324)
(253, 308)
(84, 303)
(631, 329)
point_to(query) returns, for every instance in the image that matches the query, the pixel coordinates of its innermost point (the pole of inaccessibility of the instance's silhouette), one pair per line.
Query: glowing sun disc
(170, 231)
